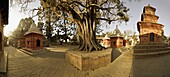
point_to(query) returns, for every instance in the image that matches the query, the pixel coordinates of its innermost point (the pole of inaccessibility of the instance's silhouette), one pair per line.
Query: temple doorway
(151, 37)
(38, 43)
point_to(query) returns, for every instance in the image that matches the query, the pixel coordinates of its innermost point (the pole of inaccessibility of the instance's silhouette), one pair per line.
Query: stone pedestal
(87, 61)
(150, 49)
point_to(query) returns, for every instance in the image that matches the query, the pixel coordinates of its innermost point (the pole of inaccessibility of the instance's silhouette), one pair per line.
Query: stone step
(151, 53)
(3, 65)
(34, 52)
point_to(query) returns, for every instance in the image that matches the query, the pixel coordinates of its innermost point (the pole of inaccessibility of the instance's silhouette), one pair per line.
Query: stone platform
(150, 49)
(3, 65)
(87, 61)
(33, 52)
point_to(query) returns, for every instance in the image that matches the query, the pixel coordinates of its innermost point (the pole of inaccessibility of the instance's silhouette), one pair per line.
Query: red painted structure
(150, 30)
(33, 38)
(115, 40)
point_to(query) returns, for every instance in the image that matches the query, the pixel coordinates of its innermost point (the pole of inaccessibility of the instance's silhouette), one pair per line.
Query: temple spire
(117, 26)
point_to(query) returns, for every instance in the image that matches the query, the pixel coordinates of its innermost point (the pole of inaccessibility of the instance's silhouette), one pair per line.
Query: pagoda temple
(151, 34)
(149, 29)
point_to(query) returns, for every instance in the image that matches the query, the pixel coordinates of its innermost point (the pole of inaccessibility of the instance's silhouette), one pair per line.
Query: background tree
(85, 14)
(57, 28)
(21, 29)
(5, 41)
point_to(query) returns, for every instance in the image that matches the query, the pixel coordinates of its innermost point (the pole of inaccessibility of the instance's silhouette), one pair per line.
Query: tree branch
(109, 20)
(103, 3)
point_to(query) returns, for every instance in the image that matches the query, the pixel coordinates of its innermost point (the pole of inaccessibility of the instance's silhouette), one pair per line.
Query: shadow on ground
(115, 54)
(51, 54)
(151, 66)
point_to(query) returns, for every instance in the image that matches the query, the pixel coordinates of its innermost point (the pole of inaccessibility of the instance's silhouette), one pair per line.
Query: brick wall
(30, 41)
(88, 61)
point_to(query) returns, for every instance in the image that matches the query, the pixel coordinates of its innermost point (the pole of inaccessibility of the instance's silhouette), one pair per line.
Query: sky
(136, 9)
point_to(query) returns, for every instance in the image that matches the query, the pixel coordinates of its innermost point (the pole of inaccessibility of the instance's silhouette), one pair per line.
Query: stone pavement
(151, 66)
(49, 64)
(53, 64)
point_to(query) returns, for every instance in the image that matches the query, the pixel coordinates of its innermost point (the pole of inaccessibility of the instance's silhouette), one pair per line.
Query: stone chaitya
(150, 34)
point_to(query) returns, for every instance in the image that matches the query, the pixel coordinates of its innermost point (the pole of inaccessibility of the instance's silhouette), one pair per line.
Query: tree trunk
(87, 37)
(86, 24)
(87, 31)
(89, 43)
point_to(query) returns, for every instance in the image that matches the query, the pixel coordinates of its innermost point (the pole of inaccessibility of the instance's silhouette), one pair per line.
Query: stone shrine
(33, 38)
(115, 40)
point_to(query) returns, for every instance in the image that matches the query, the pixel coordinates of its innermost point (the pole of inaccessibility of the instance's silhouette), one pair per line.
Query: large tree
(86, 14)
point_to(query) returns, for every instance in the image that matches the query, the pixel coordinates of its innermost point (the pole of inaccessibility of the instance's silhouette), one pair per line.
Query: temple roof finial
(149, 5)
(116, 26)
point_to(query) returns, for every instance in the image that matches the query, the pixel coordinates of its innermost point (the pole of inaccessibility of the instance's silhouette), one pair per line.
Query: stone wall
(88, 61)
(150, 49)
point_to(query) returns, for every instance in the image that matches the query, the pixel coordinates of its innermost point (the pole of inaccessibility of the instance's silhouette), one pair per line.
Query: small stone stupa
(33, 38)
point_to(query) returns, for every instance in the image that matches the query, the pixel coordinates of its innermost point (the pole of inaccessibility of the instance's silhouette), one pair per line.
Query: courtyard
(74, 38)
(52, 63)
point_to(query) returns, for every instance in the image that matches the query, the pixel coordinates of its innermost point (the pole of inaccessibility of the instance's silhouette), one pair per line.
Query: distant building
(114, 40)
(106, 41)
(33, 38)
(20, 40)
(133, 40)
(149, 29)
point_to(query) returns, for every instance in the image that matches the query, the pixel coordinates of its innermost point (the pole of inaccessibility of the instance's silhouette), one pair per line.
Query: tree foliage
(86, 14)
(21, 29)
